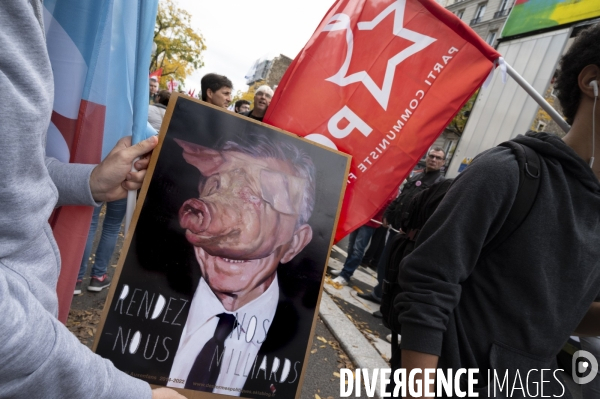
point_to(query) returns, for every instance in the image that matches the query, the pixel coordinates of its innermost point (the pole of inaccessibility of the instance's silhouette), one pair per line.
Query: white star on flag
(420, 41)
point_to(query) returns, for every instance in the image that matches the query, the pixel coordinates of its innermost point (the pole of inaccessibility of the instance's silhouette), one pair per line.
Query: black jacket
(396, 212)
(514, 309)
(249, 115)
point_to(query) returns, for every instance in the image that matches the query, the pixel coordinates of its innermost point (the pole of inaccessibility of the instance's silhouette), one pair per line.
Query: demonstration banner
(218, 284)
(380, 80)
(99, 50)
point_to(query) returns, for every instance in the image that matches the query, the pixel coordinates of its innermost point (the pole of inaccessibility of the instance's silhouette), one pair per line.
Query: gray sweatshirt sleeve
(42, 359)
(39, 357)
(72, 182)
(449, 245)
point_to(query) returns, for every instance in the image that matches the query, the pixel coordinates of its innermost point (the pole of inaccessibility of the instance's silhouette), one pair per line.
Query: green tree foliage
(178, 47)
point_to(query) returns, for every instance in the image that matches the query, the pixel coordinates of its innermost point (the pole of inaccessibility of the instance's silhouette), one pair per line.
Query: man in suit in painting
(255, 199)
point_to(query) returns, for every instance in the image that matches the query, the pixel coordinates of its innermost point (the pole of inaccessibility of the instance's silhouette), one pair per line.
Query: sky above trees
(238, 32)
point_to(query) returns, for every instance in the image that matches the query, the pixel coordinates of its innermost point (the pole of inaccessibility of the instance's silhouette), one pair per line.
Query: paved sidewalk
(348, 317)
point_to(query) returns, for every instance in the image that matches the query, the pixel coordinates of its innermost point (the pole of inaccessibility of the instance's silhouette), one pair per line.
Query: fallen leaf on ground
(313, 351)
(355, 288)
(335, 285)
(322, 339)
(335, 373)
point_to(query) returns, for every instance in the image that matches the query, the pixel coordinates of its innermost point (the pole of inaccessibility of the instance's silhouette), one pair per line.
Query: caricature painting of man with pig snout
(251, 216)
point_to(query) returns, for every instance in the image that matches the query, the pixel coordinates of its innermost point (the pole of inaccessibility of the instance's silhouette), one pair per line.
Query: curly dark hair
(582, 53)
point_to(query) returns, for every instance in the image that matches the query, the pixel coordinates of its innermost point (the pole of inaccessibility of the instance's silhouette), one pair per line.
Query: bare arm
(589, 326)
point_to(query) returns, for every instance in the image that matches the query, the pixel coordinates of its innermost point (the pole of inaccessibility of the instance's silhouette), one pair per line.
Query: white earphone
(594, 85)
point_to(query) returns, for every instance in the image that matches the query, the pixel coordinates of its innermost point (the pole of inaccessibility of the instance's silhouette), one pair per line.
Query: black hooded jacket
(514, 309)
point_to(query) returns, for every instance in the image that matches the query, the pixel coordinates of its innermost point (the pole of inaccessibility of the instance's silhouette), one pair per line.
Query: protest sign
(218, 284)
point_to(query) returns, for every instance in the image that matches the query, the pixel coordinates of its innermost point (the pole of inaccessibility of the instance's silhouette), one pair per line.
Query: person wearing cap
(262, 99)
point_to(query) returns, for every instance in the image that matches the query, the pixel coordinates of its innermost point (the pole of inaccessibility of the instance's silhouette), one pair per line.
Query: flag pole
(146, 18)
(131, 203)
(538, 98)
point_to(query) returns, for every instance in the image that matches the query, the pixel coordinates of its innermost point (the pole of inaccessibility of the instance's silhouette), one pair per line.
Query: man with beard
(242, 106)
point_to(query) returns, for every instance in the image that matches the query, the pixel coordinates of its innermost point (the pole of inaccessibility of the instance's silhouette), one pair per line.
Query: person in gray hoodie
(511, 311)
(40, 357)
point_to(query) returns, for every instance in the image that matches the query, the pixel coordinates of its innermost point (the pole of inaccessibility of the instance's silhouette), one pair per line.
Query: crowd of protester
(458, 309)
(376, 234)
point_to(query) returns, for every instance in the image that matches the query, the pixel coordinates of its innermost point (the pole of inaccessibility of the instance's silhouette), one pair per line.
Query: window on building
(491, 37)
(503, 10)
(480, 10)
(479, 13)
(460, 13)
(540, 126)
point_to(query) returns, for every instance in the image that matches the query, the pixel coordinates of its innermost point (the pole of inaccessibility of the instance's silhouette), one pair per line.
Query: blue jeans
(378, 289)
(115, 211)
(357, 244)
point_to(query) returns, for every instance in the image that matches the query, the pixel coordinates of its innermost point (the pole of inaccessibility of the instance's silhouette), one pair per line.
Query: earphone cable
(593, 131)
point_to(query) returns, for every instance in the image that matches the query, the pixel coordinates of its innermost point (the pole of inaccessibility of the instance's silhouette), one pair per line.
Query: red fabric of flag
(380, 80)
(156, 74)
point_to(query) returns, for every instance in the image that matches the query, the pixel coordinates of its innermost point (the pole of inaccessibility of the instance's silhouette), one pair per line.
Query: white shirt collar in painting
(241, 347)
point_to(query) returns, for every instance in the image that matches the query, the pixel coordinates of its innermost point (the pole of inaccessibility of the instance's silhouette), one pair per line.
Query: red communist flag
(380, 80)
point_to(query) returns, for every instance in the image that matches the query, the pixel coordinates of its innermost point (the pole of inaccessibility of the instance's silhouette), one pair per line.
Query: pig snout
(194, 216)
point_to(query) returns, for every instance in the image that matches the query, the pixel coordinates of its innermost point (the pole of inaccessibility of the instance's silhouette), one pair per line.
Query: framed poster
(220, 277)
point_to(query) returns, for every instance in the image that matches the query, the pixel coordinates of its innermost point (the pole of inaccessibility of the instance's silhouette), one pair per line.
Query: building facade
(485, 17)
(271, 71)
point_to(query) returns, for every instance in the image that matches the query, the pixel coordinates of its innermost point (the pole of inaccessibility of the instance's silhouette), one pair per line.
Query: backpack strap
(529, 183)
